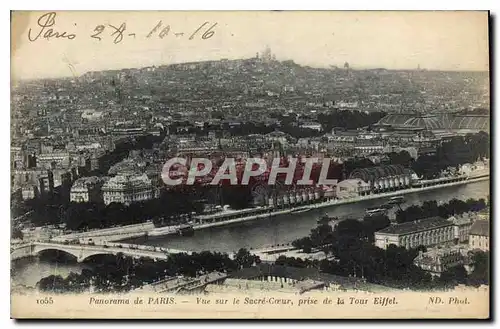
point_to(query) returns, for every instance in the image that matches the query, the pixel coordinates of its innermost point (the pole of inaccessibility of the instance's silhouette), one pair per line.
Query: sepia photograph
(250, 164)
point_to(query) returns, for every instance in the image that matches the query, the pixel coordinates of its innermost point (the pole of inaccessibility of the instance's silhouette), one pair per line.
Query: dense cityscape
(88, 154)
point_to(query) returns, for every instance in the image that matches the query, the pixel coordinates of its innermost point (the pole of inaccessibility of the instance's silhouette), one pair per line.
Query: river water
(255, 234)
(29, 271)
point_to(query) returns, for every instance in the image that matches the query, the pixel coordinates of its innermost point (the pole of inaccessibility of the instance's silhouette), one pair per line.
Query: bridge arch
(83, 252)
(79, 254)
(89, 255)
(41, 250)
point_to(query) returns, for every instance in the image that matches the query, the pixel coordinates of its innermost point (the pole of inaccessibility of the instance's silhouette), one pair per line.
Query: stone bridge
(84, 251)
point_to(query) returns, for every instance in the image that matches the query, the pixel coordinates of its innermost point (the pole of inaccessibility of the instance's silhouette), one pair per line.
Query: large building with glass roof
(438, 123)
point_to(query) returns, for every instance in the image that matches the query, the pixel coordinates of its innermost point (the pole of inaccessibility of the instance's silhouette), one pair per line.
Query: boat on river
(300, 210)
(185, 230)
(229, 216)
(376, 210)
(396, 200)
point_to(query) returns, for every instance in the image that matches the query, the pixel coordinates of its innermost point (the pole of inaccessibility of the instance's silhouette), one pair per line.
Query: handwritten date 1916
(165, 30)
(45, 30)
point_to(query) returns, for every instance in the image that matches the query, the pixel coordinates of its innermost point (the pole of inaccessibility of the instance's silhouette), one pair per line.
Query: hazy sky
(393, 40)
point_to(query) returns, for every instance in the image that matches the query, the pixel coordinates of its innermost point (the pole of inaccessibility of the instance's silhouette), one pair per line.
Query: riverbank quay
(267, 212)
(109, 234)
(240, 216)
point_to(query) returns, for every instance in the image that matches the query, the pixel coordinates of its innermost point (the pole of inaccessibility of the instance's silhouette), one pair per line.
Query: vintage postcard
(257, 165)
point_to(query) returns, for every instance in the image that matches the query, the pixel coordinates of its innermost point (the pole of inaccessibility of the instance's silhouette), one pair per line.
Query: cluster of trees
(321, 237)
(167, 208)
(456, 275)
(352, 253)
(349, 119)
(244, 259)
(47, 209)
(296, 262)
(242, 129)
(481, 273)
(44, 210)
(16, 233)
(121, 273)
(453, 153)
(400, 158)
(122, 150)
(288, 124)
(432, 209)
(18, 208)
(91, 215)
(401, 271)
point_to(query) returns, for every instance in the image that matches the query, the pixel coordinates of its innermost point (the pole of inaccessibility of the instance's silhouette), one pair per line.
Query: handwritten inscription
(46, 29)
(163, 31)
(117, 32)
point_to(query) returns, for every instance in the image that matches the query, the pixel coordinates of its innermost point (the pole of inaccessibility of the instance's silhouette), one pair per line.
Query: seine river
(257, 234)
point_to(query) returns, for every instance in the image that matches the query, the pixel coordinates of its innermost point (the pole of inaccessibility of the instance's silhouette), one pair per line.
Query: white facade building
(351, 188)
(424, 232)
(312, 125)
(87, 189)
(29, 191)
(437, 260)
(127, 189)
(479, 235)
(294, 197)
(385, 178)
(461, 225)
(46, 160)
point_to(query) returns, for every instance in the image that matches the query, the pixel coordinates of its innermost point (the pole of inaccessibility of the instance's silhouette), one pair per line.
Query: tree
(350, 228)
(304, 243)
(53, 283)
(422, 248)
(237, 197)
(321, 235)
(427, 166)
(453, 153)
(481, 271)
(324, 220)
(375, 223)
(454, 275)
(17, 234)
(431, 209)
(244, 259)
(400, 158)
(293, 262)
